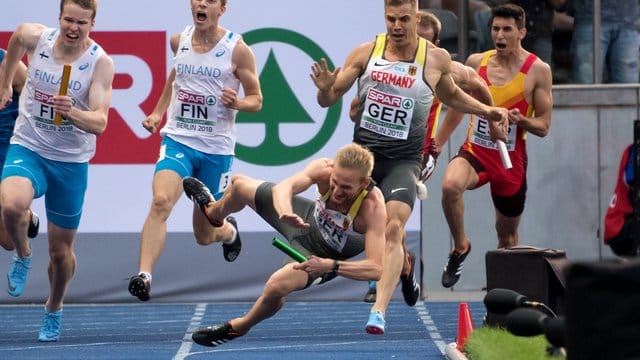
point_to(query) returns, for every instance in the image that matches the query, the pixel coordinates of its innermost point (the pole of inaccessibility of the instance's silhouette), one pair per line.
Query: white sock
(234, 236)
(146, 274)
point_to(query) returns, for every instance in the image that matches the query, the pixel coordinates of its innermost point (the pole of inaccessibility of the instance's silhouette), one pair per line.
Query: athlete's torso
(395, 101)
(511, 96)
(35, 128)
(336, 228)
(196, 116)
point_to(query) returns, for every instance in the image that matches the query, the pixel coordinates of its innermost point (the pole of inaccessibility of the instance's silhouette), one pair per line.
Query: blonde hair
(427, 19)
(357, 157)
(84, 4)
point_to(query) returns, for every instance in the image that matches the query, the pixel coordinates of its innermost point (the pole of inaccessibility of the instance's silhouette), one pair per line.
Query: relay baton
(64, 85)
(504, 154)
(285, 248)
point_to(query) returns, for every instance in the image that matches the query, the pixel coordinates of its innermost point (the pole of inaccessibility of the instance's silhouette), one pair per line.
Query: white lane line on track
(187, 343)
(432, 329)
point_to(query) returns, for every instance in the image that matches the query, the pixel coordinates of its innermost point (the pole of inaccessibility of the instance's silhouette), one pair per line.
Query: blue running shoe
(375, 325)
(17, 276)
(50, 330)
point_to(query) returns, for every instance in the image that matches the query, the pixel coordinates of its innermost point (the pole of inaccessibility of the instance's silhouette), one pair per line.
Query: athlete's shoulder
(539, 69)
(320, 164)
(30, 33)
(540, 65)
(365, 47)
(373, 206)
(474, 60)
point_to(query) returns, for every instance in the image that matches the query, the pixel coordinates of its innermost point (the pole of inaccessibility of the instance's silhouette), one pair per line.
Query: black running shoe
(214, 335)
(34, 225)
(199, 193)
(453, 269)
(231, 251)
(410, 286)
(370, 296)
(140, 287)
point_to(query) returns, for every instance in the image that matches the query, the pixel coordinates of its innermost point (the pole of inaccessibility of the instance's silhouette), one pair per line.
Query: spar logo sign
(282, 106)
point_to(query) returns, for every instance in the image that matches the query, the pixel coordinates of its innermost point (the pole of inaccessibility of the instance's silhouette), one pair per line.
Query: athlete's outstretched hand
(499, 124)
(321, 76)
(294, 220)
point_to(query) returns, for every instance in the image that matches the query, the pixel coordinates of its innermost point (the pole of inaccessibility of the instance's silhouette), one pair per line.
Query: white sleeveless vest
(196, 117)
(35, 128)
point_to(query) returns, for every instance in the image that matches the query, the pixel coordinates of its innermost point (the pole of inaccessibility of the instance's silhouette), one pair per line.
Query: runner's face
(402, 24)
(206, 12)
(75, 24)
(505, 34)
(345, 185)
(426, 32)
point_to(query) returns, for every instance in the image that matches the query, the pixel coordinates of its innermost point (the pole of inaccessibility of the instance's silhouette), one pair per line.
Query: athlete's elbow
(543, 131)
(257, 106)
(324, 103)
(100, 127)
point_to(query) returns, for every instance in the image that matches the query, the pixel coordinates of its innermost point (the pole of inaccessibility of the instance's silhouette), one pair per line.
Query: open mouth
(201, 16)
(72, 36)
(501, 46)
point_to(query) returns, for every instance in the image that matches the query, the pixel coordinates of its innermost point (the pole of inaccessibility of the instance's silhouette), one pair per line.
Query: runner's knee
(395, 231)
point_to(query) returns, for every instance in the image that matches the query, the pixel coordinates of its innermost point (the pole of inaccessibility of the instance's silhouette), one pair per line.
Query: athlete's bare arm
(244, 63)
(93, 120)
(438, 74)
(316, 172)
(371, 221)
(333, 84)
(23, 40)
(539, 80)
(470, 81)
(152, 121)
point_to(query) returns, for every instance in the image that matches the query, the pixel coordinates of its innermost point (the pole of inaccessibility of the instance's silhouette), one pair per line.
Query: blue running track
(301, 330)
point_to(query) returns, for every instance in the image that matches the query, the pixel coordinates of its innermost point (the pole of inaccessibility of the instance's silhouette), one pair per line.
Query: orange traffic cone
(465, 325)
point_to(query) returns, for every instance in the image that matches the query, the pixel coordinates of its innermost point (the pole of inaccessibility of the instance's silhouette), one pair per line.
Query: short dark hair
(512, 11)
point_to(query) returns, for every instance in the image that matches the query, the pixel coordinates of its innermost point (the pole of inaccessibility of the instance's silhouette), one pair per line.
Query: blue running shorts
(213, 170)
(63, 184)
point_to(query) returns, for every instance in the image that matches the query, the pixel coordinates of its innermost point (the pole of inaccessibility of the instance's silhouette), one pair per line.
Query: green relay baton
(285, 248)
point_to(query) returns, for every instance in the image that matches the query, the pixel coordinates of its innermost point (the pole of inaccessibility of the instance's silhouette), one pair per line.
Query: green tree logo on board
(281, 106)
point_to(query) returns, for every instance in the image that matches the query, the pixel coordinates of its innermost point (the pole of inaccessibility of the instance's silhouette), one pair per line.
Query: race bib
(332, 226)
(196, 112)
(44, 115)
(388, 115)
(480, 135)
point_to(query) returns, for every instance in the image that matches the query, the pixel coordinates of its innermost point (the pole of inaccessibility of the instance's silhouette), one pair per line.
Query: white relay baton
(504, 154)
